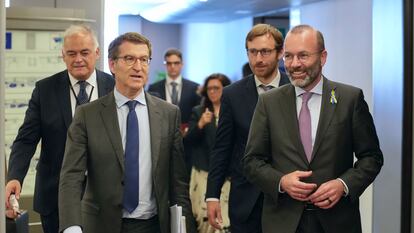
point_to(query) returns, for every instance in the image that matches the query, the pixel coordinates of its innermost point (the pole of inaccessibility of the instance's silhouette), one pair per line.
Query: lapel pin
(333, 99)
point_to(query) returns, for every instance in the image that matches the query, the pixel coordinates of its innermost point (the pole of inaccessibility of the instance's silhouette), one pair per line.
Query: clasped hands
(325, 196)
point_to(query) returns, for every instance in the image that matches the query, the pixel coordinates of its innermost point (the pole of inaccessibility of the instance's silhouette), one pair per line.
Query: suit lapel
(155, 120)
(184, 91)
(162, 90)
(288, 104)
(103, 87)
(63, 92)
(251, 94)
(110, 122)
(326, 114)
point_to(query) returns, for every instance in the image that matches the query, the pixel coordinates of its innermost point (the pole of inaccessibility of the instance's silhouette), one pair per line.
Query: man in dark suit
(302, 142)
(185, 94)
(264, 49)
(48, 117)
(131, 146)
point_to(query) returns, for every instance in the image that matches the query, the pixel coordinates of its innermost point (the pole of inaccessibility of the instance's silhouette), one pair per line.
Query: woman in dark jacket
(201, 136)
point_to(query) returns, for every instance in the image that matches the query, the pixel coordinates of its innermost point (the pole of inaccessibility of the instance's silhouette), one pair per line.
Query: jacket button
(122, 183)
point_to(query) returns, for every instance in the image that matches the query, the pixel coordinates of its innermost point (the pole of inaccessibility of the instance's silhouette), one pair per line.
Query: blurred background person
(201, 136)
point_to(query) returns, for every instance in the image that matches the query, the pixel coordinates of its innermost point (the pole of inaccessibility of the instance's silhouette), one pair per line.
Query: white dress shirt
(91, 89)
(168, 88)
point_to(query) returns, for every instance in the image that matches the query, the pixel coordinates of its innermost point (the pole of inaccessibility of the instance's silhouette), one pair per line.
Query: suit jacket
(237, 106)
(94, 144)
(47, 118)
(188, 99)
(200, 140)
(274, 148)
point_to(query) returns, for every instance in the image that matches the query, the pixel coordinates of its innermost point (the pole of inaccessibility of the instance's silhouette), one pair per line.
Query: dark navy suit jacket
(188, 99)
(237, 107)
(47, 118)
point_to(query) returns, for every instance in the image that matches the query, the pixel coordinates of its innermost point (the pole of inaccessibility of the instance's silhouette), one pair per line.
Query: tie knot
(82, 84)
(266, 88)
(131, 104)
(306, 96)
(174, 84)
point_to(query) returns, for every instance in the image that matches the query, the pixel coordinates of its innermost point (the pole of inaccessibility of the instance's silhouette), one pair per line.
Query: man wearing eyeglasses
(302, 143)
(264, 50)
(130, 144)
(48, 117)
(175, 89)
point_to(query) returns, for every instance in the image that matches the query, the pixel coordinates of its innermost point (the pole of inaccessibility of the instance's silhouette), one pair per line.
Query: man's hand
(12, 187)
(214, 214)
(297, 189)
(328, 194)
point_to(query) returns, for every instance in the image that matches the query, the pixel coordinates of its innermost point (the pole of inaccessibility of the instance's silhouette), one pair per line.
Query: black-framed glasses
(131, 60)
(263, 52)
(302, 56)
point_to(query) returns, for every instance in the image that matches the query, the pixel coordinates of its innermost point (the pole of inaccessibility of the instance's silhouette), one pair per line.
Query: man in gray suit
(130, 144)
(302, 142)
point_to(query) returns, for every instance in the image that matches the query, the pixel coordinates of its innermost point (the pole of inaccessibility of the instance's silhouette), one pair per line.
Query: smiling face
(304, 59)
(80, 54)
(130, 79)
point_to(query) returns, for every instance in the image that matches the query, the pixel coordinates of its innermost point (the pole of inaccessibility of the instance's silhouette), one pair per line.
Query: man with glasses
(264, 50)
(130, 144)
(175, 89)
(302, 143)
(48, 117)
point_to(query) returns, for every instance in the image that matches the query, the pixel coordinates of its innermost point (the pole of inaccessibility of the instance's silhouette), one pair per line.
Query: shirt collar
(121, 99)
(91, 80)
(273, 83)
(178, 80)
(315, 90)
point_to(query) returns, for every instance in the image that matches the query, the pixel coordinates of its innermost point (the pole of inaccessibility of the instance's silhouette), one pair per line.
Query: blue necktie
(82, 95)
(131, 176)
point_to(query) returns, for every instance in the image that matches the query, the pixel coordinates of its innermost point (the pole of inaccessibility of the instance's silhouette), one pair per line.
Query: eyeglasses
(131, 60)
(302, 56)
(263, 52)
(213, 88)
(175, 63)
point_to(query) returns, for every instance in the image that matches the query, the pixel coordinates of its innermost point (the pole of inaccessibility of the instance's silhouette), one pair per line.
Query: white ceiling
(184, 11)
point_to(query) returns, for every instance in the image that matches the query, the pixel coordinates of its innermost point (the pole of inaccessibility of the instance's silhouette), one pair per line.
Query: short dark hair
(263, 29)
(173, 51)
(304, 27)
(133, 37)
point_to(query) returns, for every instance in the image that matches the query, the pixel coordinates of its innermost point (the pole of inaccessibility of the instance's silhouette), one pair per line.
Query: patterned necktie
(82, 95)
(174, 93)
(266, 88)
(131, 176)
(305, 126)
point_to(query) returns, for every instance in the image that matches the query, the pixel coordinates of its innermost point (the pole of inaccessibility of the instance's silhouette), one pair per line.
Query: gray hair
(81, 29)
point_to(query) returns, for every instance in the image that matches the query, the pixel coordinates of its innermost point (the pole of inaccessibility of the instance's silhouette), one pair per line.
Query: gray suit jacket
(94, 144)
(274, 149)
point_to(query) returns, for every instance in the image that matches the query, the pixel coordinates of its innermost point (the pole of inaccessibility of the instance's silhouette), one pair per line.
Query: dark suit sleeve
(24, 146)
(178, 176)
(222, 150)
(366, 148)
(194, 133)
(256, 162)
(73, 173)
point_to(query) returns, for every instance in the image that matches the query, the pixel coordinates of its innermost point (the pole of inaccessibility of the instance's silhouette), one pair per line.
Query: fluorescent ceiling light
(164, 11)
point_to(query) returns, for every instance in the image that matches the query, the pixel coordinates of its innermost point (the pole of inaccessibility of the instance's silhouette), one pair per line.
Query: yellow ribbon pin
(333, 97)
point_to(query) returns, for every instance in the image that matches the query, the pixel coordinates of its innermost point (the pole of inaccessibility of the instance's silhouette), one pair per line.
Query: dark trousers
(253, 224)
(50, 222)
(130, 225)
(309, 222)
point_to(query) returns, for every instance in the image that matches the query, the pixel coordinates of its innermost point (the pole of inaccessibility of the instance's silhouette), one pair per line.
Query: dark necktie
(305, 125)
(82, 95)
(174, 93)
(266, 88)
(131, 176)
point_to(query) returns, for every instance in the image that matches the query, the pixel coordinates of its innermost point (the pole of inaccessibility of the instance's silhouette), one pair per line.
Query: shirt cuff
(212, 199)
(73, 229)
(280, 189)
(346, 190)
